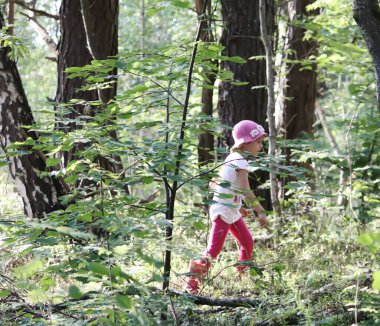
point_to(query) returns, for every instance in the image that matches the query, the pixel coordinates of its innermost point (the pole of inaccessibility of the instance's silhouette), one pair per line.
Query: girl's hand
(243, 212)
(262, 219)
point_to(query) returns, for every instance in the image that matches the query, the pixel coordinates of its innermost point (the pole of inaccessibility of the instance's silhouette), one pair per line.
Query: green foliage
(100, 259)
(16, 47)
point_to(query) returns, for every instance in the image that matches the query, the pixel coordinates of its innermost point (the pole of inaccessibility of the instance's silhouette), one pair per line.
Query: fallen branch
(221, 302)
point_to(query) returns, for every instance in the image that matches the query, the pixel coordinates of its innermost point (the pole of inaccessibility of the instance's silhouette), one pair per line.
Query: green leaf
(376, 280)
(236, 59)
(28, 269)
(87, 217)
(52, 161)
(4, 293)
(3, 162)
(74, 292)
(365, 239)
(150, 260)
(200, 226)
(123, 301)
(225, 196)
(98, 268)
(147, 180)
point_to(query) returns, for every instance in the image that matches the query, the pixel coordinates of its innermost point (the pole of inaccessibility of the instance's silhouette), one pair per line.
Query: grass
(314, 272)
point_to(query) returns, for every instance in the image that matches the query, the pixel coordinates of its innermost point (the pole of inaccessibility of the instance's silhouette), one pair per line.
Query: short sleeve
(239, 162)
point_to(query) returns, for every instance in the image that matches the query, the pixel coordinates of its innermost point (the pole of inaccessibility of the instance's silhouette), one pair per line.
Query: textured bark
(296, 102)
(78, 48)
(367, 15)
(38, 190)
(241, 37)
(206, 140)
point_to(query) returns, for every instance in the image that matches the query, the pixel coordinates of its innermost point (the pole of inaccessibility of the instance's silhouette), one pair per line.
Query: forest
(115, 116)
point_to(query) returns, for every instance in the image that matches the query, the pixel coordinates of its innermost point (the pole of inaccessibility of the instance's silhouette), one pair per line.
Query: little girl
(227, 211)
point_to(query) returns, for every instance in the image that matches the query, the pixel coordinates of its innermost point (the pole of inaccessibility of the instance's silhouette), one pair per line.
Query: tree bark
(295, 111)
(367, 15)
(38, 190)
(296, 102)
(206, 139)
(87, 33)
(241, 37)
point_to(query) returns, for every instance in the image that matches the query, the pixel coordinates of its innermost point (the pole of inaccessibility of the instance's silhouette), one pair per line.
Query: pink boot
(199, 268)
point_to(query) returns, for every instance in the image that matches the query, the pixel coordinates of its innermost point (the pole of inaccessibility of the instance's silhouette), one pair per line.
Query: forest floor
(310, 270)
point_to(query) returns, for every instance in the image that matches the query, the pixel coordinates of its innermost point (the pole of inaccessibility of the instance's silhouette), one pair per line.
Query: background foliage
(100, 260)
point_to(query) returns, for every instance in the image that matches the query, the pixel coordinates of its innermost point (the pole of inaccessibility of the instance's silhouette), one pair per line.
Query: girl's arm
(243, 183)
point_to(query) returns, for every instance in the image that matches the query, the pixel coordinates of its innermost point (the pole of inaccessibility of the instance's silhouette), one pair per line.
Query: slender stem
(11, 17)
(170, 215)
(270, 106)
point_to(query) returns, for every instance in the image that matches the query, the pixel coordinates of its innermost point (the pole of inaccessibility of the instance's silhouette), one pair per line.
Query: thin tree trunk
(341, 199)
(39, 191)
(270, 106)
(11, 16)
(367, 15)
(174, 187)
(206, 139)
(142, 36)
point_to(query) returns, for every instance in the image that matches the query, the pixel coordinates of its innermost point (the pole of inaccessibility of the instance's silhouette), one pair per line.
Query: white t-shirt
(227, 196)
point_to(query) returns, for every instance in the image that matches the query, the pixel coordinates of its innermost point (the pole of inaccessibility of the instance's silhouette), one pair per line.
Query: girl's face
(253, 147)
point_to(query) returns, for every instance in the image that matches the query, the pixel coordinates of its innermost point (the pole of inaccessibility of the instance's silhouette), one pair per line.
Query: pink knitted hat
(247, 131)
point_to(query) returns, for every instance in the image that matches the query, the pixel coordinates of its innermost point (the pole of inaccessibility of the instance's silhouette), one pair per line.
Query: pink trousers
(238, 229)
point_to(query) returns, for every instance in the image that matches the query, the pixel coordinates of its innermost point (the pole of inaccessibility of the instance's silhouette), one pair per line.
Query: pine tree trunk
(296, 102)
(241, 37)
(38, 190)
(87, 33)
(367, 15)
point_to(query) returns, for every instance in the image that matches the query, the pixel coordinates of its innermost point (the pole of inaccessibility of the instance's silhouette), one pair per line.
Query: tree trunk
(38, 190)
(241, 37)
(206, 139)
(367, 15)
(296, 102)
(87, 33)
